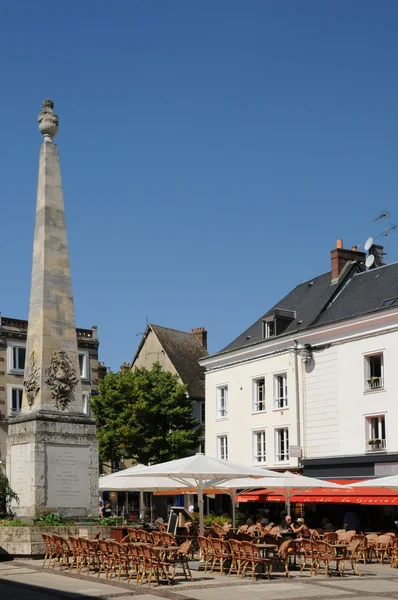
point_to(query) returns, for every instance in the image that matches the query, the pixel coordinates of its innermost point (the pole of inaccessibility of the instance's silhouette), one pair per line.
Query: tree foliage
(6, 495)
(145, 415)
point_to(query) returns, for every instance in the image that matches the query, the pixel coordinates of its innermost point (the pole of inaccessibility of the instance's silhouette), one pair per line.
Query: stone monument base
(52, 464)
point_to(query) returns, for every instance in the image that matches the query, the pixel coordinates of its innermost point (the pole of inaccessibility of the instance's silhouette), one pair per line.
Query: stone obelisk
(52, 449)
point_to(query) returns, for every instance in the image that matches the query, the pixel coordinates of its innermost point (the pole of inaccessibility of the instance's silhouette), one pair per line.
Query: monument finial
(48, 120)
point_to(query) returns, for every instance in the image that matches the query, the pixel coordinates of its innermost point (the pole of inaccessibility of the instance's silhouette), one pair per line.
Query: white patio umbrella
(205, 471)
(132, 482)
(390, 482)
(285, 483)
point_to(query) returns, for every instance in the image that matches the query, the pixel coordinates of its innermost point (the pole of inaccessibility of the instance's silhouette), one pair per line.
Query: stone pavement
(27, 580)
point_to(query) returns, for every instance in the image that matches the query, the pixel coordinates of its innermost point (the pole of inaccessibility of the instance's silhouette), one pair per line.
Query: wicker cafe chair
(132, 532)
(157, 538)
(221, 553)
(362, 548)
(382, 547)
(325, 554)
(205, 555)
(314, 535)
(136, 562)
(64, 552)
(308, 556)
(285, 551)
(50, 549)
(181, 557)
(105, 557)
(120, 558)
(153, 566)
(236, 556)
(76, 554)
(251, 557)
(394, 553)
(331, 537)
(351, 556)
(168, 539)
(371, 543)
(346, 537)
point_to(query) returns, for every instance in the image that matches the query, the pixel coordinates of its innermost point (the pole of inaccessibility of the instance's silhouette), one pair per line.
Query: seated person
(327, 525)
(106, 510)
(250, 520)
(286, 527)
(301, 530)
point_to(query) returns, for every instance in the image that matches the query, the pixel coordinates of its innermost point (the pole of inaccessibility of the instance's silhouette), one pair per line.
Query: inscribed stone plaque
(20, 479)
(67, 476)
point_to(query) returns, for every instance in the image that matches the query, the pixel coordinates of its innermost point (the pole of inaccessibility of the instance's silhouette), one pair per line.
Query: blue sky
(212, 152)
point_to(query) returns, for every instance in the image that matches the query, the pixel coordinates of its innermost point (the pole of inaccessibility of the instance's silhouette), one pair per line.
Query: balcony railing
(374, 383)
(281, 402)
(377, 445)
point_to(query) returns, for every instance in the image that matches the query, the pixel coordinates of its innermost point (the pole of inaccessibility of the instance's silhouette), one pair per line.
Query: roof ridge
(172, 329)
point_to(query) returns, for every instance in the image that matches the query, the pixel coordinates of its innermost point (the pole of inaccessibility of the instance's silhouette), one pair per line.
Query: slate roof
(355, 294)
(184, 350)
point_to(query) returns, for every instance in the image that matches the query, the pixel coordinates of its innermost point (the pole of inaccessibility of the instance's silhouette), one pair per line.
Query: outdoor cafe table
(341, 549)
(267, 547)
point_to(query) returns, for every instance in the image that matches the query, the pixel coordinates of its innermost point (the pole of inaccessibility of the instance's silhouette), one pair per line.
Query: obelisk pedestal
(52, 448)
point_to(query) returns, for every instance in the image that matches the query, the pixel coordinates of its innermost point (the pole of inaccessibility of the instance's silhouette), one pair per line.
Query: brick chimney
(201, 335)
(340, 257)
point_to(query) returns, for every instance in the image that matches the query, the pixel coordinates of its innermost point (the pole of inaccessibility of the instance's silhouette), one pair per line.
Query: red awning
(369, 496)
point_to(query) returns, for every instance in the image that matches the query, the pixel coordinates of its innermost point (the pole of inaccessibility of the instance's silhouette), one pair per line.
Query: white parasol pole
(233, 502)
(200, 501)
(142, 506)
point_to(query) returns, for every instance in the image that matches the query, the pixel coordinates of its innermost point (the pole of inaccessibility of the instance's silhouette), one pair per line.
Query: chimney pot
(339, 243)
(355, 248)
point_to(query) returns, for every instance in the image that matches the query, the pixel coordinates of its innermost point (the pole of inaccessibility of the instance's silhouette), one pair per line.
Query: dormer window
(277, 322)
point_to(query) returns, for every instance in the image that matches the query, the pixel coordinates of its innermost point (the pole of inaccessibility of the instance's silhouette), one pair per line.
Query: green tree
(6, 495)
(145, 415)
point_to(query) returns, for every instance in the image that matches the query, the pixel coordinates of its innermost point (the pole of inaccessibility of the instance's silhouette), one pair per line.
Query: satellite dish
(369, 260)
(368, 244)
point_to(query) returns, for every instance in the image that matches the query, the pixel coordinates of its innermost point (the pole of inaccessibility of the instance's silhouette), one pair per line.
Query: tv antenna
(387, 228)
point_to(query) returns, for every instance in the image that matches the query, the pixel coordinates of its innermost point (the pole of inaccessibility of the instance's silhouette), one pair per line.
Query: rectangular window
(260, 454)
(259, 395)
(14, 399)
(222, 401)
(282, 444)
(83, 365)
(376, 433)
(116, 465)
(203, 413)
(16, 357)
(374, 371)
(280, 390)
(268, 329)
(223, 447)
(86, 403)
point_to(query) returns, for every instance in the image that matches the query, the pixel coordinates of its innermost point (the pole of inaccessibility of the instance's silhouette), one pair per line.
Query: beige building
(13, 334)
(177, 352)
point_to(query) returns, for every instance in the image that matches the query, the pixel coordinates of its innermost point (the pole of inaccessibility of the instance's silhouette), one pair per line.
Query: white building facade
(313, 384)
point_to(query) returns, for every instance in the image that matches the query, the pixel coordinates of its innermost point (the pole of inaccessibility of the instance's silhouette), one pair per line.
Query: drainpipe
(297, 382)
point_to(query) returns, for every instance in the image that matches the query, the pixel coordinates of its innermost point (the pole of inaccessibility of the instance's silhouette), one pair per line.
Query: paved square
(27, 580)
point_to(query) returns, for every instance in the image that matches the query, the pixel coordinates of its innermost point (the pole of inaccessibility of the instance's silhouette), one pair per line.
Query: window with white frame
(259, 394)
(282, 444)
(86, 403)
(16, 357)
(374, 371)
(83, 365)
(268, 329)
(222, 450)
(259, 442)
(280, 390)
(376, 433)
(14, 399)
(222, 401)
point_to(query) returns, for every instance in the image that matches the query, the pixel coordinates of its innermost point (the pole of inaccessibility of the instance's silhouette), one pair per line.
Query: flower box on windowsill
(376, 444)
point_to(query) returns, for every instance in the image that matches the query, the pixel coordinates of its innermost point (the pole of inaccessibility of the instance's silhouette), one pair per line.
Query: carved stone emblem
(32, 381)
(61, 378)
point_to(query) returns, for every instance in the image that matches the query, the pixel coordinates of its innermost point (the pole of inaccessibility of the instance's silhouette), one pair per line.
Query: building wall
(338, 403)
(242, 421)
(14, 331)
(152, 352)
